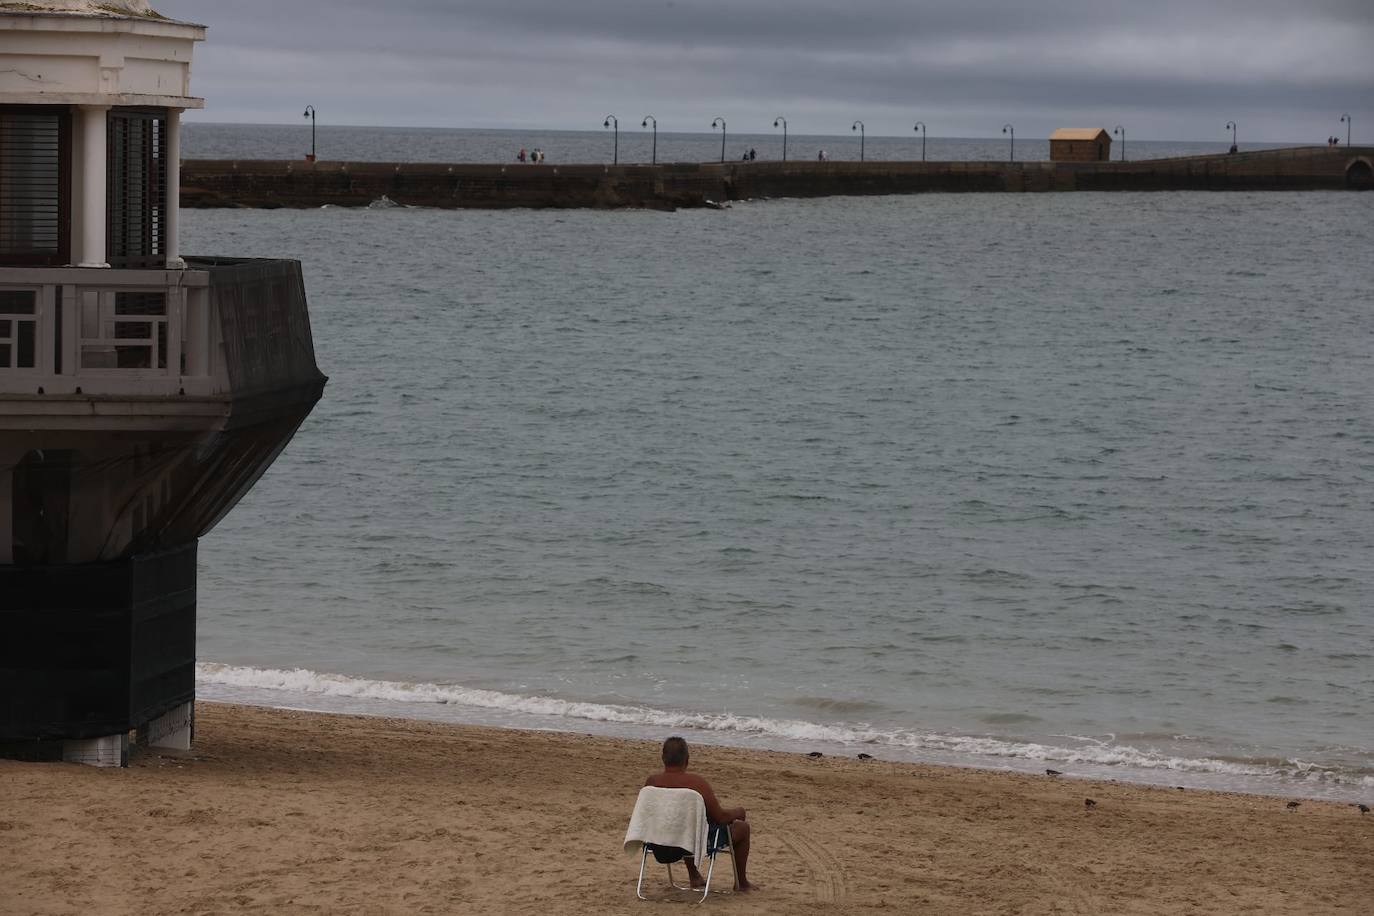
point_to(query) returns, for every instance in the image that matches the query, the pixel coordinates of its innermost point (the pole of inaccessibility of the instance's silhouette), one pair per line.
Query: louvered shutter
(35, 150)
(137, 187)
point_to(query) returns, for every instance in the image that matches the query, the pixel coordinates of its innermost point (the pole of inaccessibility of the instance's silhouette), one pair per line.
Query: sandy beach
(289, 812)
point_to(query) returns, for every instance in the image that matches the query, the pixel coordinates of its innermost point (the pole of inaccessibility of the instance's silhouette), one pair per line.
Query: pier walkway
(262, 183)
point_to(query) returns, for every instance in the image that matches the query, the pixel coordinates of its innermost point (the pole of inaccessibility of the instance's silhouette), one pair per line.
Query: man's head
(675, 752)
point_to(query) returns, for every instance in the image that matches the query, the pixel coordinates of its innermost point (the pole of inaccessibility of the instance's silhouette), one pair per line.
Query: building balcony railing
(219, 327)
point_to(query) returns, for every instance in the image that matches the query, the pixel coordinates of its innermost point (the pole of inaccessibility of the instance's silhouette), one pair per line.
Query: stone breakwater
(267, 184)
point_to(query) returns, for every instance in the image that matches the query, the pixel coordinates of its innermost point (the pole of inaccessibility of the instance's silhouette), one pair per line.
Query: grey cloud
(1176, 67)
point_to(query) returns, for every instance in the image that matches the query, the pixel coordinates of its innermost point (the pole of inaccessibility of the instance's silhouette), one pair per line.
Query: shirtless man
(675, 776)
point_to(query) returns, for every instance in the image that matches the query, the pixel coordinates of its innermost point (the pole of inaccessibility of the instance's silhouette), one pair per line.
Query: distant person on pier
(521, 157)
(752, 155)
(674, 775)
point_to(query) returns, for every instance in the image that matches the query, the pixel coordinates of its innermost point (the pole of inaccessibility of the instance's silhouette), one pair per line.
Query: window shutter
(34, 205)
(136, 187)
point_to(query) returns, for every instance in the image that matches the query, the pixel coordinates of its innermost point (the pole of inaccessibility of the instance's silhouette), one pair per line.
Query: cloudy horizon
(1169, 70)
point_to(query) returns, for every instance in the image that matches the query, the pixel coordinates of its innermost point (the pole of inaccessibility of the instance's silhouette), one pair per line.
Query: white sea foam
(1091, 752)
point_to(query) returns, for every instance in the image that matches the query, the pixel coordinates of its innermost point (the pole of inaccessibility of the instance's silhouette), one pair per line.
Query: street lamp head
(775, 121)
(309, 110)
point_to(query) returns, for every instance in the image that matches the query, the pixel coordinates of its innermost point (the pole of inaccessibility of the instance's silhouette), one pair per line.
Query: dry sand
(287, 812)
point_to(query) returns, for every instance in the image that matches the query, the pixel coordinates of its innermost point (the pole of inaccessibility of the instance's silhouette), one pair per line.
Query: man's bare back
(674, 775)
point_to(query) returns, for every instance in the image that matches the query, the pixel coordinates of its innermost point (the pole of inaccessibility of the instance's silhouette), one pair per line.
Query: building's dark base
(94, 650)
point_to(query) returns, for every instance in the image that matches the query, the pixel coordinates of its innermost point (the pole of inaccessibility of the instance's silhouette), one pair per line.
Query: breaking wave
(914, 745)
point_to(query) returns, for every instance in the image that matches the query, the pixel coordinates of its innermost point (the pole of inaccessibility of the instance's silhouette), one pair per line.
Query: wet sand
(288, 812)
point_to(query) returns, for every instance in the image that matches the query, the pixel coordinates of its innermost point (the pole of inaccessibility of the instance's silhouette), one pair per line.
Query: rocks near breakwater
(266, 184)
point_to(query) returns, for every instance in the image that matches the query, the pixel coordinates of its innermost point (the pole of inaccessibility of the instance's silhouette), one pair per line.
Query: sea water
(1078, 481)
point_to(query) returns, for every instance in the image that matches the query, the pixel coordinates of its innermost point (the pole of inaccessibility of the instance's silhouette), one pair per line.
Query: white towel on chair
(668, 817)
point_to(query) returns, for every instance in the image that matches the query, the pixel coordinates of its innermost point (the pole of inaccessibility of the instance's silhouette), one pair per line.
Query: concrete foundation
(173, 730)
(107, 751)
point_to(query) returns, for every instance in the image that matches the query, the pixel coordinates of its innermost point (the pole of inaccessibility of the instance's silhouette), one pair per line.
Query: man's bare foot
(744, 887)
(697, 881)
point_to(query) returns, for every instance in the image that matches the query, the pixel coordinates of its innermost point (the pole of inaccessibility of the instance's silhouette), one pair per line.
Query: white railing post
(71, 330)
(46, 339)
(176, 312)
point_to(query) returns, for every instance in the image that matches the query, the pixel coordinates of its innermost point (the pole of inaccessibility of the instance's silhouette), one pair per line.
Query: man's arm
(714, 812)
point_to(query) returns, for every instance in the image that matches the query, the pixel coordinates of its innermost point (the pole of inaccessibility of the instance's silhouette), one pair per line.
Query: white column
(93, 171)
(171, 220)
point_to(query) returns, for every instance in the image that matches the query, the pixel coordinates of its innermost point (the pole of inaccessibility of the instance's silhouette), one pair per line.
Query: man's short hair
(674, 752)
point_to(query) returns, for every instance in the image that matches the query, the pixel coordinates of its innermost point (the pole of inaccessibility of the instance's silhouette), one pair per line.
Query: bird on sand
(1089, 803)
(1364, 809)
(865, 756)
(814, 754)
(1053, 773)
(1293, 805)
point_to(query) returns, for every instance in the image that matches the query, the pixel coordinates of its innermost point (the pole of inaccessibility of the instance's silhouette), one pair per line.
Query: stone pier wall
(223, 183)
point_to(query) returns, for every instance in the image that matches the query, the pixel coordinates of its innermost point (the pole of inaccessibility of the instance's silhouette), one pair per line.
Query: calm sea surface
(1072, 480)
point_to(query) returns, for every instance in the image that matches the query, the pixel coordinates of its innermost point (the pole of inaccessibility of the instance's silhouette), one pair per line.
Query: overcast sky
(1285, 70)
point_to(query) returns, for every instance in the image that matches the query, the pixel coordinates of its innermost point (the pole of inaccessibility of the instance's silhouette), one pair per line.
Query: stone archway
(1359, 175)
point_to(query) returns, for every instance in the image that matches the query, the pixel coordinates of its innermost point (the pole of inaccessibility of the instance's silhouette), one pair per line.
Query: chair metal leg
(673, 881)
(639, 888)
(734, 866)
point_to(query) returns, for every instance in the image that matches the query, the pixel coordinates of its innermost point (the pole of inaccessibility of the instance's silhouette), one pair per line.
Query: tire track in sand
(826, 876)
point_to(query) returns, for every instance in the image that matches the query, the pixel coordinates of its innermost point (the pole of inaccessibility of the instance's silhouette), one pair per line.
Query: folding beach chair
(671, 825)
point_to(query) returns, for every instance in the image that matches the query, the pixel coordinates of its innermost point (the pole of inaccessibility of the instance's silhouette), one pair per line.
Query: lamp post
(921, 127)
(1231, 126)
(1008, 129)
(615, 150)
(859, 126)
(1118, 129)
(721, 122)
(310, 113)
(1345, 119)
(783, 121)
(653, 159)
